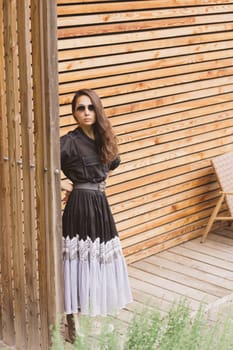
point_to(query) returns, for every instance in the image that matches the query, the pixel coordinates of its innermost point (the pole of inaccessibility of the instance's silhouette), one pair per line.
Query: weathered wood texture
(164, 72)
(30, 259)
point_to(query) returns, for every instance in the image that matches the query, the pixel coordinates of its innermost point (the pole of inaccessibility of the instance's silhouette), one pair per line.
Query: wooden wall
(164, 72)
(30, 252)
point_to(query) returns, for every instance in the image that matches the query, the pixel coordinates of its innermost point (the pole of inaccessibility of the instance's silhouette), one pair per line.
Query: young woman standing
(95, 272)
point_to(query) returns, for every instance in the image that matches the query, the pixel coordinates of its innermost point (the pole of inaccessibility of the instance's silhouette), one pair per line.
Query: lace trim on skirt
(74, 248)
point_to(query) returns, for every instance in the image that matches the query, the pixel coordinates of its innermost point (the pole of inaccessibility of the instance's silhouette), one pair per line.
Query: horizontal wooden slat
(127, 5)
(141, 15)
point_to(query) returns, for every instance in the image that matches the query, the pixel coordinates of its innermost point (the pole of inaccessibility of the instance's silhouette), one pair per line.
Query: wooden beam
(7, 332)
(54, 252)
(44, 58)
(15, 161)
(30, 235)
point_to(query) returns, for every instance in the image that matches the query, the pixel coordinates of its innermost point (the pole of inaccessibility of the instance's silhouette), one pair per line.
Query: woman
(95, 272)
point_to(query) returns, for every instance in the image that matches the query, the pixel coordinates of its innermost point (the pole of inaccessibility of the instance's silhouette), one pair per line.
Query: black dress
(95, 272)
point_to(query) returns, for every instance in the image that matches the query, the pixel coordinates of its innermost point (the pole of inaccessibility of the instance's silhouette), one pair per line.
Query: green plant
(58, 343)
(180, 329)
(143, 330)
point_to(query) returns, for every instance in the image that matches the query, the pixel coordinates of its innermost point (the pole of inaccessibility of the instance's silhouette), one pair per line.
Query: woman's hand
(66, 197)
(67, 187)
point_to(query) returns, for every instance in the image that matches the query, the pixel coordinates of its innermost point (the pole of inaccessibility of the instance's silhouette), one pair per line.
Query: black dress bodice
(80, 161)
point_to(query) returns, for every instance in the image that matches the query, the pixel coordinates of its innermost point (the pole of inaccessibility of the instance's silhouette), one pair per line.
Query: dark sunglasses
(82, 108)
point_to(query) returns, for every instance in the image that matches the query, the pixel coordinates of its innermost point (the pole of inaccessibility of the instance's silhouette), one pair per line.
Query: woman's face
(84, 112)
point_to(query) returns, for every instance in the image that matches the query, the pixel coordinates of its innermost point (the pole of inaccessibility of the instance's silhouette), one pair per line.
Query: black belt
(100, 186)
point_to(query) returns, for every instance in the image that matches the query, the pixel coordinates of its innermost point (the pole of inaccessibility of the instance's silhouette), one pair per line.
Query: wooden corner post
(47, 156)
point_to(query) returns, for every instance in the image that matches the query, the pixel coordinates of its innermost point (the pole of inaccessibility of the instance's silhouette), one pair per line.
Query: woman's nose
(87, 110)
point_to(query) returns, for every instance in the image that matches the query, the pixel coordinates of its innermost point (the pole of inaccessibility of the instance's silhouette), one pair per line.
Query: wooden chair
(223, 167)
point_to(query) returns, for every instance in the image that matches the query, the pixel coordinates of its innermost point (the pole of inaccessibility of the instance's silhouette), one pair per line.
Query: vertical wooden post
(54, 251)
(27, 130)
(13, 121)
(45, 84)
(7, 320)
(41, 162)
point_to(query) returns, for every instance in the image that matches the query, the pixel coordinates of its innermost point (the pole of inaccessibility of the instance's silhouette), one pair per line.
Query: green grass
(149, 330)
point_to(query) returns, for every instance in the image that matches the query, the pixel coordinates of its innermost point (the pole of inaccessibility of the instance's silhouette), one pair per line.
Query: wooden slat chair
(223, 167)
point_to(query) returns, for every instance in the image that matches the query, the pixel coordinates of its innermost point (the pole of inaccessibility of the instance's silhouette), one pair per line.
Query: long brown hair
(105, 138)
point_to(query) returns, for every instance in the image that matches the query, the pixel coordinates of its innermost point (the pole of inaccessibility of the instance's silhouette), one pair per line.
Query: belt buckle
(101, 186)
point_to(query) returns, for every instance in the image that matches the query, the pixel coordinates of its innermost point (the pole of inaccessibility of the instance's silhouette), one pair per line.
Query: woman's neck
(89, 131)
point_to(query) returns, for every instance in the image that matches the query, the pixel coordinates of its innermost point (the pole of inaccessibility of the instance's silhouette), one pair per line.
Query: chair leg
(212, 218)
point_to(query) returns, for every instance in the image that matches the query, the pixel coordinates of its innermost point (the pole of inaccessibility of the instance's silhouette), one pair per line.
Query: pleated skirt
(95, 272)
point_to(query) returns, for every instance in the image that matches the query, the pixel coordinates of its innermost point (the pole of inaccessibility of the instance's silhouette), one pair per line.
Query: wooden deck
(201, 272)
